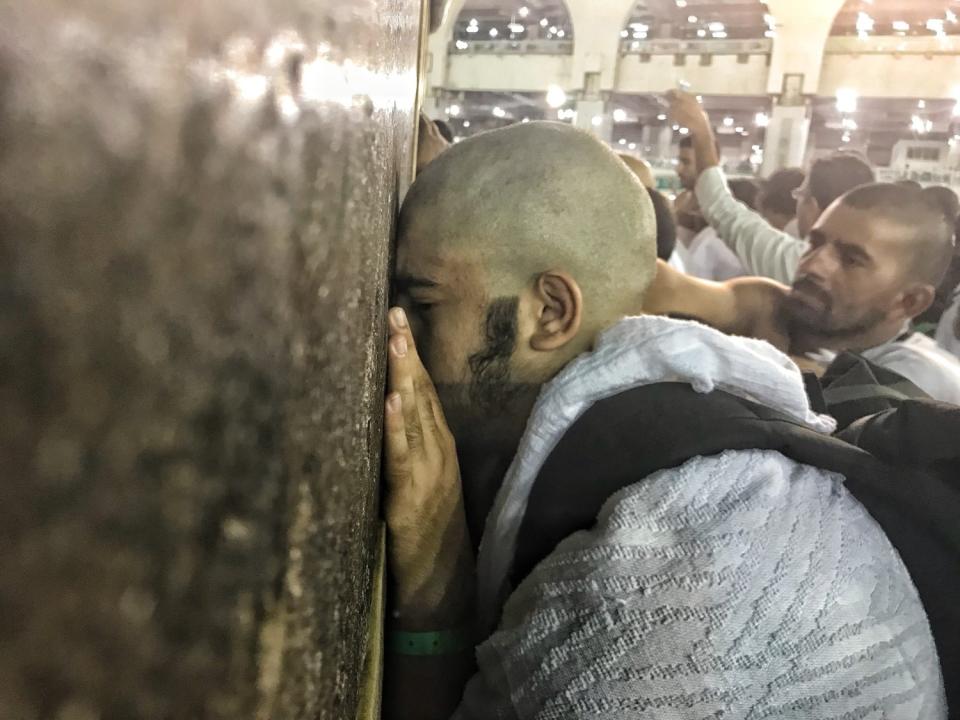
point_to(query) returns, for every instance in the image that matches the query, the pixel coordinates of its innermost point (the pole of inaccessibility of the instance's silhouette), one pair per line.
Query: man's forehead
(861, 227)
(419, 263)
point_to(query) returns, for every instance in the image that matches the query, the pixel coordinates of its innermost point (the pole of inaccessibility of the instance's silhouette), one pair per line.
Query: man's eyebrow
(409, 282)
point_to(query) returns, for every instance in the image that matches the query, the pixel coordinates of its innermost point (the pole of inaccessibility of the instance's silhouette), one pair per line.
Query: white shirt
(707, 257)
(946, 334)
(922, 362)
(763, 250)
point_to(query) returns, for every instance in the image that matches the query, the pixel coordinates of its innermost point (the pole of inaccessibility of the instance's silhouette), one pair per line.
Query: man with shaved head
(873, 262)
(548, 538)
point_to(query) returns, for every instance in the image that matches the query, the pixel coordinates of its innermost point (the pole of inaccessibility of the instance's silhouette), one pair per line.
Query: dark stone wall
(196, 200)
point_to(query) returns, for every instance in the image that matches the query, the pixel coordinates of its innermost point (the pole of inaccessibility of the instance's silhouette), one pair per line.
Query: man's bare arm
(749, 307)
(430, 555)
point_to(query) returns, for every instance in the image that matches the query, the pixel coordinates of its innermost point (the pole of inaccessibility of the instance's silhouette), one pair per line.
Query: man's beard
(806, 321)
(488, 415)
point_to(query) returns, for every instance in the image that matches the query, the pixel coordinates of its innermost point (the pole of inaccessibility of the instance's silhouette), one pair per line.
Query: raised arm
(763, 250)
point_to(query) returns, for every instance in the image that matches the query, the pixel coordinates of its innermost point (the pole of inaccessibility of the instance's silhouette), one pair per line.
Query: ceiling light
(453, 110)
(553, 28)
(619, 115)
(462, 44)
(525, 120)
(516, 28)
(719, 35)
(544, 22)
(922, 104)
(523, 12)
(499, 112)
(632, 146)
(556, 97)
(728, 122)
(473, 29)
(640, 27)
(864, 22)
(770, 33)
(951, 16)
(684, 131)
(847, 100)
(845, 138)
(676, 127)
(596, 120)
(900, 25)
(661, 116)
(716, 27)
(624, 33)
(692, 19)
(466, 123)
(762, 119)
(740, 129)
(848, 124)
(623, 141)
(701, 33)
(560, 33)
(681, 3)
(494, 32)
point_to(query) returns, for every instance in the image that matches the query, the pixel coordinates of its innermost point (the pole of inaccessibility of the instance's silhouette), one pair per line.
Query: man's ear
(916, 299)
(560, 310)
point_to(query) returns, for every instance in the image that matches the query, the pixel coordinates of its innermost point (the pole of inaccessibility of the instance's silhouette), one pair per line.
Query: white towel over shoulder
(742, 585)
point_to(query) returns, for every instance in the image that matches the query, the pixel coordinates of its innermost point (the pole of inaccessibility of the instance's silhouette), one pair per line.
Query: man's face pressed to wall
(465, 339)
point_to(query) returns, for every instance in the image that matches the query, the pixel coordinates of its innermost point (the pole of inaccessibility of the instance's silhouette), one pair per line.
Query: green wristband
(442, 642)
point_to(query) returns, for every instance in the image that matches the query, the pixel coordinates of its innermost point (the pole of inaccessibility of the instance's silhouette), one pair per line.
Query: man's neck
(485, 449)
(803, 342)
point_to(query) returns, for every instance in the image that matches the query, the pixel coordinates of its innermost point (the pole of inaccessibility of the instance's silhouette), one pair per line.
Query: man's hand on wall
(429, 550)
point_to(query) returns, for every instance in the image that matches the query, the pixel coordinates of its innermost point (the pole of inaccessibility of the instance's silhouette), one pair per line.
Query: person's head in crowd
(875, 260)
(666, 224)
(506, 283)
(909, 184)
(829, 178)
(641, 168)
(445, 132)
(776, 202)
(744, 190)
(687, 213)
(945, 198)
(430, 143)
(687, 169)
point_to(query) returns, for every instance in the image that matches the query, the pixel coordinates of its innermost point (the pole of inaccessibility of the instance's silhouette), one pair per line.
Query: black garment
(911, 486)
(853, 387)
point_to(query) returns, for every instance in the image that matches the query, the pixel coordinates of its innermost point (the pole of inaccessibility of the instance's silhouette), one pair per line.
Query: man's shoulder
(922, 361)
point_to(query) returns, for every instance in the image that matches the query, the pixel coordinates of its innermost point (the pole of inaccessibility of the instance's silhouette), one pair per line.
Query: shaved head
(928, 233)
(535, 197)
(516, 248)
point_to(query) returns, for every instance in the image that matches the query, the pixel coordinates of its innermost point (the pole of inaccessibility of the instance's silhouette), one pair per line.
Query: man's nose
(819, 263)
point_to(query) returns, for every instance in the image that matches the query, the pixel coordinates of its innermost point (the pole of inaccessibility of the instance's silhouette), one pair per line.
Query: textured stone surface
(195, 206)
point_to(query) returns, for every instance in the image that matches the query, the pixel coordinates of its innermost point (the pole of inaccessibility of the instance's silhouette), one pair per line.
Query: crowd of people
(651, 457)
